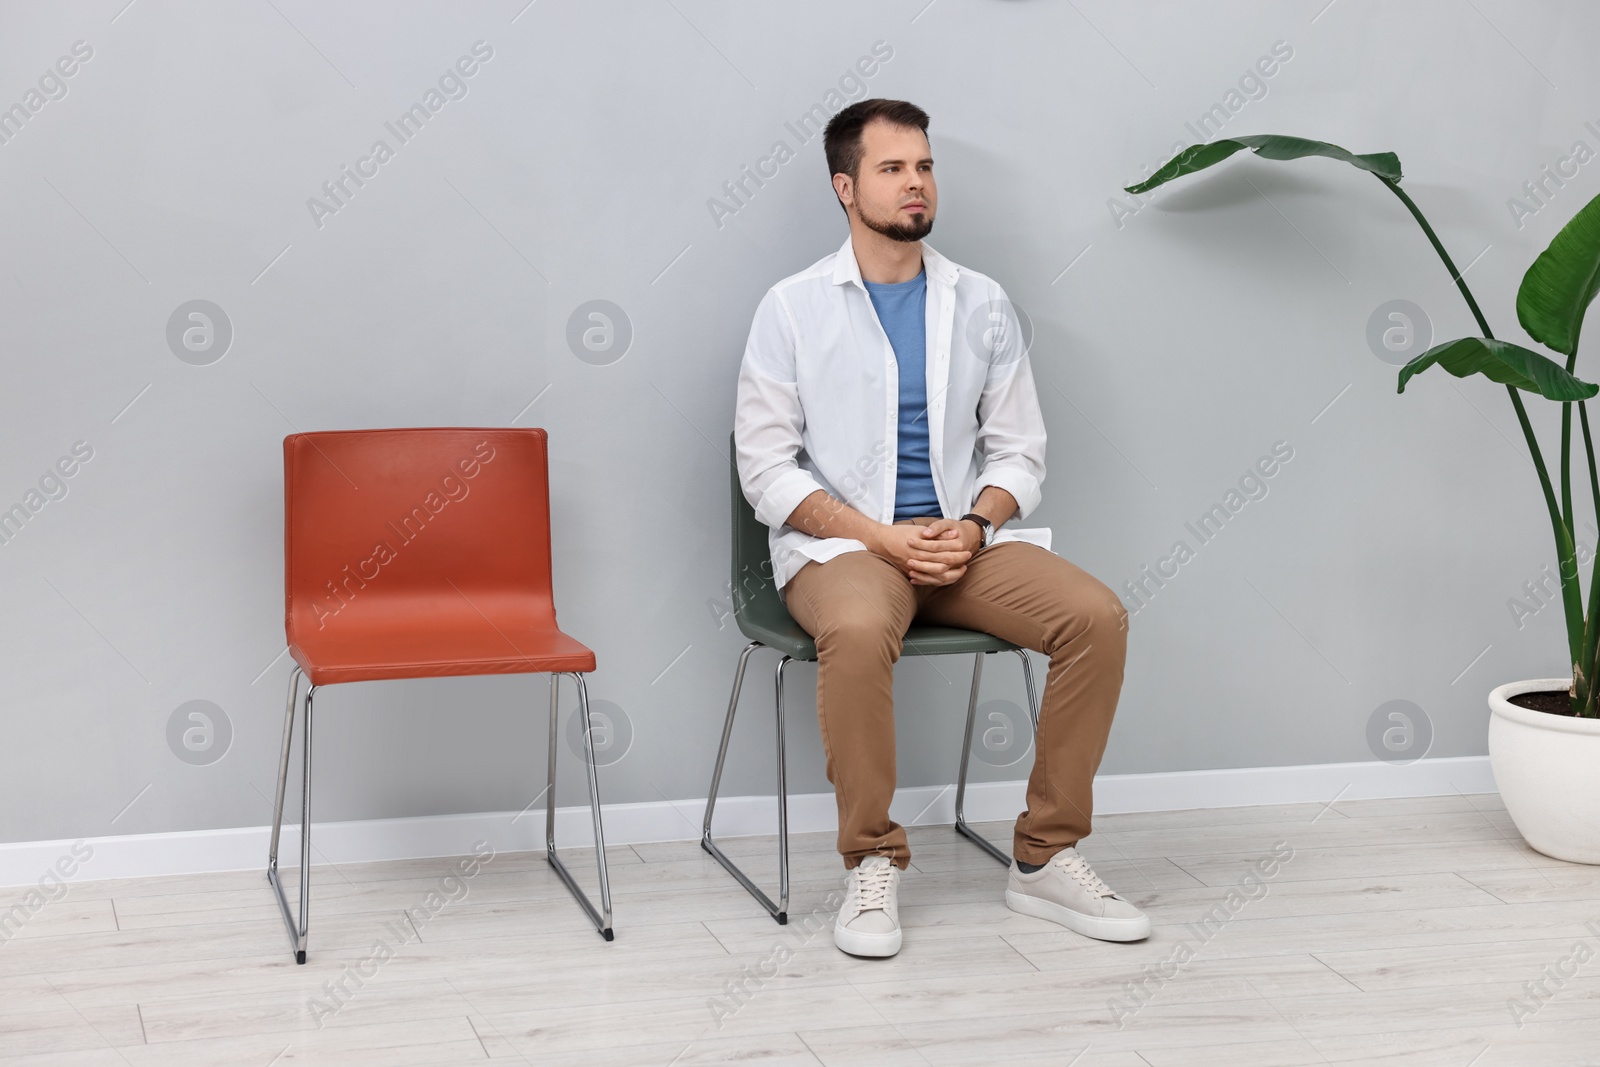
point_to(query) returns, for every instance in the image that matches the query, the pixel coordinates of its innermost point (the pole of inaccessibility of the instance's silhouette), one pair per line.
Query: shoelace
(873, 886)
(1079, 870)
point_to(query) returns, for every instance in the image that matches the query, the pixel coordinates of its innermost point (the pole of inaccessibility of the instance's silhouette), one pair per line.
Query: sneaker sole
(1099, 928)
(857, 943)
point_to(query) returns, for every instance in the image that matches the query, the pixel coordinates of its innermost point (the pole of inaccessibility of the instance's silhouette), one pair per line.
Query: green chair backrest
(755, 593)
(757, 608)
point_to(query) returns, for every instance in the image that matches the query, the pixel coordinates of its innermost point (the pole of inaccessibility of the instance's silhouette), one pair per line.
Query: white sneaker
(869, 919)
(1067, 891)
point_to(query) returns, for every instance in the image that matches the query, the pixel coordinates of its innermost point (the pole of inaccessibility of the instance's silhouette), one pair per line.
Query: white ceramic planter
(1548, 770)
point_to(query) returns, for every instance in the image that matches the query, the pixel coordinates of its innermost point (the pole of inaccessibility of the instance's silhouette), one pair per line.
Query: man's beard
(918, 227)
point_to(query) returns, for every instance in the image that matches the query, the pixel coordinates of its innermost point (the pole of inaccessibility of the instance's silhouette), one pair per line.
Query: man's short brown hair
(841, 141)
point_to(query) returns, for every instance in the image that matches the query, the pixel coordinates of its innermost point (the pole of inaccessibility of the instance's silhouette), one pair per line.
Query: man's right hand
(916, 556)
(924, 560)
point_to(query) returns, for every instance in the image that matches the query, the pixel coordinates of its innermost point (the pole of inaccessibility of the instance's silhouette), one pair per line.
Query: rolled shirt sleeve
(1011, 433)
(768, 421)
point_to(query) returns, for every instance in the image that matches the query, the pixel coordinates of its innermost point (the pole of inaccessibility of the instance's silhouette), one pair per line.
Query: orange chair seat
(430, 641)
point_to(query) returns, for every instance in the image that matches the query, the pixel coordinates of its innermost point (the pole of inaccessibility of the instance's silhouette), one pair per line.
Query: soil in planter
(1554, 701)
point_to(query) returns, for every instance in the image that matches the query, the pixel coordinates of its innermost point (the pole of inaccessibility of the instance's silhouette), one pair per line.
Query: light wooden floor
(1399, 933)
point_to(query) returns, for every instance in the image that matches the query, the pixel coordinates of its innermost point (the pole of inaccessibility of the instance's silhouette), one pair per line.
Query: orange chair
(421, 553)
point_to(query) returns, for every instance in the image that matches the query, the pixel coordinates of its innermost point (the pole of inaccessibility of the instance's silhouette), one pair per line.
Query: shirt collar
(846, 269)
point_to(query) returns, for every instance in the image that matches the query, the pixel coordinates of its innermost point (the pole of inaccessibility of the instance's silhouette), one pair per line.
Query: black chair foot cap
(300, 957)
(783, 918)
(607, 934)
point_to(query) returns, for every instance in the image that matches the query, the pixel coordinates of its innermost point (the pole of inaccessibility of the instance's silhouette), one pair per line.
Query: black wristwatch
(984, 525)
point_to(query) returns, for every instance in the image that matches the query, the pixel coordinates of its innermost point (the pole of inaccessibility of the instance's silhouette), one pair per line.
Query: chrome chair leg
(780, 910)
(601, 917)
(962, 827)
(283, 767)
(297, 932)
(1027, 677)
(783, 800)
(966, 757)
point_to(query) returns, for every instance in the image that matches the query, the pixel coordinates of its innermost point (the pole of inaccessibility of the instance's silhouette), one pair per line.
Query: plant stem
(1591, 649)
(1571, 593)
(1581, 698)
(1566, 469)
(1455, 275)
(1578, 638)
(1588, 446)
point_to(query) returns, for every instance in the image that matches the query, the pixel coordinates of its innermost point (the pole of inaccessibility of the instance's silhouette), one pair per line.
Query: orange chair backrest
(390, 526)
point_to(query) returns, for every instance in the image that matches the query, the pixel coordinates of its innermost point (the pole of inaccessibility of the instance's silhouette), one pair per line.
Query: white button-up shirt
(819, 396)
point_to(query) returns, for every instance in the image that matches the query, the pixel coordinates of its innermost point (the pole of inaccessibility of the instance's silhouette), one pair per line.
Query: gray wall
(1223, 316)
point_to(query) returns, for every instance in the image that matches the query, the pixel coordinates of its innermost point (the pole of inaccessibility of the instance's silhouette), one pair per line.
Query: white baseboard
(245, 848)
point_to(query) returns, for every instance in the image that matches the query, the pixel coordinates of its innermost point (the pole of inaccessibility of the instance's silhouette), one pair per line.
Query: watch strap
(983, 524)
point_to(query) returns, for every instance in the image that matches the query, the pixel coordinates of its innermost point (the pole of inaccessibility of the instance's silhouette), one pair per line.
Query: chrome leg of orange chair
(297, 933)
(601, 917)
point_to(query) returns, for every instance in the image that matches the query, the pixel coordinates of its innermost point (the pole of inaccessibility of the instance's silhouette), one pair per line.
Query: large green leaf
(1562, 282)
(1268, 146)
(1503, 362)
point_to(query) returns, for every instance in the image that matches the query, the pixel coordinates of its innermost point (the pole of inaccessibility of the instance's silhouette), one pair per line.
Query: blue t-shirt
(901, 307)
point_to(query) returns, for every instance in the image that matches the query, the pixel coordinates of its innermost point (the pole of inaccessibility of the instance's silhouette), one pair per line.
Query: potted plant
(1544, 733)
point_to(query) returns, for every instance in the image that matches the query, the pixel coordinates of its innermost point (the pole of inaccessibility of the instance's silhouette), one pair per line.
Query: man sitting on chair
(887, 428)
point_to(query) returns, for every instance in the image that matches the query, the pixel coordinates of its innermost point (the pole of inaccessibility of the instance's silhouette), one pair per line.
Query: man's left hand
(964, 533)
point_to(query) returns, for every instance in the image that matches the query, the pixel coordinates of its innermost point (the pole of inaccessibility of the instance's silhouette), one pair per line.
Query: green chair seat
(789, 638)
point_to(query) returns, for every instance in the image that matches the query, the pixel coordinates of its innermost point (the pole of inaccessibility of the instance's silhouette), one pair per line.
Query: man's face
(895, 193)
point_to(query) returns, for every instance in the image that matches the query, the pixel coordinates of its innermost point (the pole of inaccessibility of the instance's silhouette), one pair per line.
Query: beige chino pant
(857, 607)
